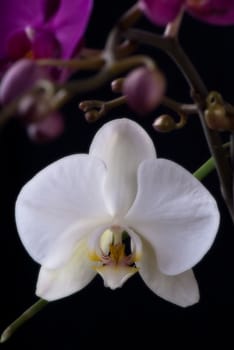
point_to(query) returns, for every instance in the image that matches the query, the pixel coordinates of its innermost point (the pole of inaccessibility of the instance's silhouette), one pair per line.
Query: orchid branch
(94, 63)
(172, 47)
(186, 108)
(96, 60)
(127, 20)
(64, 92)
(108, 72)
(95, 109)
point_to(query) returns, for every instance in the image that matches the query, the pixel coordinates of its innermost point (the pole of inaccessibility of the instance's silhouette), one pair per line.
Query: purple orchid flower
(42, 28)
(217, 12)
(12, 86)
(38, 29)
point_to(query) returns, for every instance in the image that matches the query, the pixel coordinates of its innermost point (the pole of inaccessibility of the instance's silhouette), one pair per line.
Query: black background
(132, 315)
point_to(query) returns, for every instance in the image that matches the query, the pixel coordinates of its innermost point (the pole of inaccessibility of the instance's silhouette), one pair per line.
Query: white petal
(122, 145)
(63, 200)
(66, 243)
(115, 276)
(175, 213)
(181, 289)
(72, 277)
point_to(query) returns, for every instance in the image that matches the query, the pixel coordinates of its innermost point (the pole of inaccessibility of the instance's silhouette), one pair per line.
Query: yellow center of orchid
(117, 253)
(116, 262)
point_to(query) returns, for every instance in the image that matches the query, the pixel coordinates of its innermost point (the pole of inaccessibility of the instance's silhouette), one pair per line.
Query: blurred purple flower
(219, 12)
(39, 128)
(161, 11)
(33, 30)
(42, 28)
(47, 129)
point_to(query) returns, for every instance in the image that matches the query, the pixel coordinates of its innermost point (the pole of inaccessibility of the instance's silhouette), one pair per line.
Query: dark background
(132, 315)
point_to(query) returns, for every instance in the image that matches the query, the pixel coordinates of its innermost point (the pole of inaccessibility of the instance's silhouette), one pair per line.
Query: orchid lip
(115, 251)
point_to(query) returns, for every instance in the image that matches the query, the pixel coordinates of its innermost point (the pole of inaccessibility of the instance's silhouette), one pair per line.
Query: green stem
(205, 169)
(27, 315)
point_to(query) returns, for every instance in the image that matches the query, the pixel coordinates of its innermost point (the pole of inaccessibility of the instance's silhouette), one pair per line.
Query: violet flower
(42, 28)
(39, 128)
(33, 30)
(218, 12)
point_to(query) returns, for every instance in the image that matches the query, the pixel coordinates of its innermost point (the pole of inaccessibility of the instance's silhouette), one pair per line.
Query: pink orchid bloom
(218, 12)
(12, 86)
(42, 28)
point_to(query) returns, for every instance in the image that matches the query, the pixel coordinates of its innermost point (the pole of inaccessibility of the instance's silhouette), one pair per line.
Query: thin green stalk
(205, 169)
(27, 315)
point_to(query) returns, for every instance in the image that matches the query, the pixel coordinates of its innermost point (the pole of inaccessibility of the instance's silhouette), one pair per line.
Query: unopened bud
(164, 123)
(47, 129)
(216, 116)
(117, 85)
(19, 78)
(144, 89)
(92, 116)
(218, 120)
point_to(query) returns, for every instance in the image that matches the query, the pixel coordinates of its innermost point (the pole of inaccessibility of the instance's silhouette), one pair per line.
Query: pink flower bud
(19, 78)
(47, 129)
(144, 89)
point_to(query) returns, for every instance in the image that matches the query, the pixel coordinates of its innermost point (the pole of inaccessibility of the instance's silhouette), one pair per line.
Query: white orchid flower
(114, 212)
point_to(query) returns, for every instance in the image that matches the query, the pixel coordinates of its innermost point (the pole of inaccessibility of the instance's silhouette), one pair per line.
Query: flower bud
(117, 85)
(164, 123)
(47, 129)
(216, 116)
(218, 120)
(144, 89)
(92, 116)
(18, 79)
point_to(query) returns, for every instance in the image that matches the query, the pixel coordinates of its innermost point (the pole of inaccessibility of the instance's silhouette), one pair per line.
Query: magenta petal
(45, 45)
(17, 15)
(161, 12)
(220, 12)
(18, 45)
(69, 24)
(50, 8)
